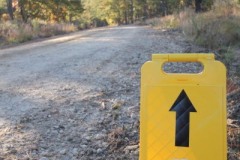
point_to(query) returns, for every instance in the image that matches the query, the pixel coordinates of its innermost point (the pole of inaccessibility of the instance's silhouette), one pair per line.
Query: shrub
(213, 29)
(12, 32)
(16, 32)
(170, 21)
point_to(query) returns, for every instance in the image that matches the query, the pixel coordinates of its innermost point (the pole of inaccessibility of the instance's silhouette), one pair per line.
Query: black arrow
(183, 106)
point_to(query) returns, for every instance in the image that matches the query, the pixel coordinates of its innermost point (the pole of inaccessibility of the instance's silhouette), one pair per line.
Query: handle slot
(182, 67)
(184, 63)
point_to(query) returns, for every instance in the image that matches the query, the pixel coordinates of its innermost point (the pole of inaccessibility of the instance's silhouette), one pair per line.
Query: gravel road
(77, 96)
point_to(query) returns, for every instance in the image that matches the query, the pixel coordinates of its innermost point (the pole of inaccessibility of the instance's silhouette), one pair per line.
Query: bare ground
(77, 96)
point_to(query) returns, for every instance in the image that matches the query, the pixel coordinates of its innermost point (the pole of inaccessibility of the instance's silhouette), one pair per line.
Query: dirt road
(77, 96)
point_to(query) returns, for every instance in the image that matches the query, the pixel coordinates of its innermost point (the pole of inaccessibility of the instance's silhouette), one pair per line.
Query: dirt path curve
(77, 96)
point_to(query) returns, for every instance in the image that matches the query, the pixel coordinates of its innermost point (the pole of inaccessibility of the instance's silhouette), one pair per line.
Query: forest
(94, 12)
(24, 20)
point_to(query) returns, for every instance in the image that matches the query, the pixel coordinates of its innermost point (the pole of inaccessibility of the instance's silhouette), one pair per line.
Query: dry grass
(218, 30)
(16, 32)
(167, 22)
(213, 29)
(13, 32)
(233, 105)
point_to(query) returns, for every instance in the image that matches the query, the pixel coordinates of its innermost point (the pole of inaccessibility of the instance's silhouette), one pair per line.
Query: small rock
(88, 138)
(90, 129)
(103, 106)
(70, 139)
(99, 136)
(62, 152)
(104, 144)
(34, 147)
(99, 150)
(117, 105)
(136, 152)
(129, 148)
(83, 146)
(46, 153)
(75, 151)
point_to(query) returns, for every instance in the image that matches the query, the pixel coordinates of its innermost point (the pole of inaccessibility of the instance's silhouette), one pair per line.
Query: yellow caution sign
(183, 116)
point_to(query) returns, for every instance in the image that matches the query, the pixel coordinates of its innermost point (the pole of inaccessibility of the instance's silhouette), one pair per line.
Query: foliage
(94, 12)
(48, 10)
(3, 7)
(128, 11)
(84, 14)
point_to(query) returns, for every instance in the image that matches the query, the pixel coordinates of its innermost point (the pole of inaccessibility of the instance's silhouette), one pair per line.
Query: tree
(21, 4)
(198, 7)
(3, 7)
(50, 10)
(10, 9)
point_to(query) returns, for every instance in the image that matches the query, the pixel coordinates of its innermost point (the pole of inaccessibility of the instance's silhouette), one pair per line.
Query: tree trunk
(198, 7)
(125, 17)
(189, 3)
(10, 9)
(21, 4)
(132, 12)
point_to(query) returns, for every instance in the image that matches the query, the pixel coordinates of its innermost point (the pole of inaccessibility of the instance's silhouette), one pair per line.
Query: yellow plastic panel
(183, 116)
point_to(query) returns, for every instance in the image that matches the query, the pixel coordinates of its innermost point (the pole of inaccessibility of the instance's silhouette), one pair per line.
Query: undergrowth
(213, 29)
(218, 30)
(167, 22)
(12, 32)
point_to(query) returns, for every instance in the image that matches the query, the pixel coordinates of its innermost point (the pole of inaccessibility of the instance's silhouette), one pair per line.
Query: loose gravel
(78, 99)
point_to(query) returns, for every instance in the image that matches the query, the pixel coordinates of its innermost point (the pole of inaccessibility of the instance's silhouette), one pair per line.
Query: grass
(218, 30)
(213, 29)
(167, 22)
(12, 32)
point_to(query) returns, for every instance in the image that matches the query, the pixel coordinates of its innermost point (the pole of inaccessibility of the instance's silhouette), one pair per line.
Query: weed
(213, 29)
(170, 21)
(17, 32)
(227, 56)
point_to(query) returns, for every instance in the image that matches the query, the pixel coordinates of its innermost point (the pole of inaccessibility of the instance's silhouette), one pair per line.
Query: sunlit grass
(170, 21)
(16, 32)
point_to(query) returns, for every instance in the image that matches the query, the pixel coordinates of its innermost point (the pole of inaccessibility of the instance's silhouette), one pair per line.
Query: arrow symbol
(183, 106)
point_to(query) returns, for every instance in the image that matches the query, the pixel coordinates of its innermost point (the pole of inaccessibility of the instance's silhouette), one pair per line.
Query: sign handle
(183, 57)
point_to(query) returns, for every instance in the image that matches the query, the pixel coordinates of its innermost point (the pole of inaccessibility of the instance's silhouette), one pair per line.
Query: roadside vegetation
(14, 32)
(23, 20)
(218, 30)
